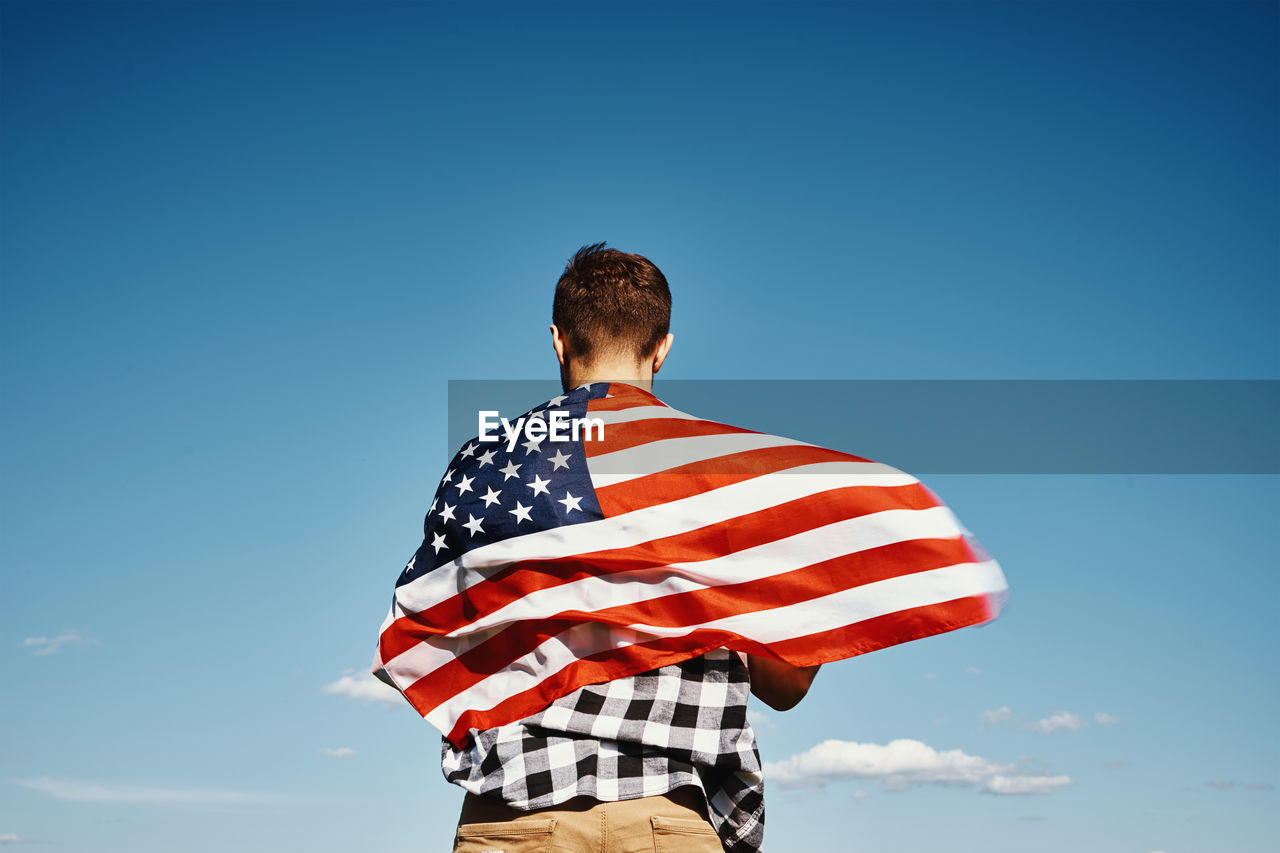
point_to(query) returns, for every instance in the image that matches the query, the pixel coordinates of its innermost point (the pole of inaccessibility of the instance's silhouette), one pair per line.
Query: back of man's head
(611, 305)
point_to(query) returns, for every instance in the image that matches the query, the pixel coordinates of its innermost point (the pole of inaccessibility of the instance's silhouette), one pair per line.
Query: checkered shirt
(683, 724)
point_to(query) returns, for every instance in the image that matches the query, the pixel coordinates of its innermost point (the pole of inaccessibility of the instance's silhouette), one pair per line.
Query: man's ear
(660, 355)
(557, 343)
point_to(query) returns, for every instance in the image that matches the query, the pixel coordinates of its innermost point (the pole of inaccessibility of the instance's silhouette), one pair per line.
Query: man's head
(610, 317)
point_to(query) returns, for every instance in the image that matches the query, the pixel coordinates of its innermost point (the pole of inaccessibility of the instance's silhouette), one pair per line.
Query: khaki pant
(675, 822)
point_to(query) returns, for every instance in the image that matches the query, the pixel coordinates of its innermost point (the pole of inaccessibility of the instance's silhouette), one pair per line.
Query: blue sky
(246, 245)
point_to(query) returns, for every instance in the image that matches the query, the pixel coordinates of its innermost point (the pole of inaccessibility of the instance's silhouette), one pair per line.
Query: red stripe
(745, 531)
(695, 607)
(818, 648)
(703, 476)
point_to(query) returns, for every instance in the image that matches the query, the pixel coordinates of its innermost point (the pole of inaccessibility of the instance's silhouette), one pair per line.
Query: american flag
(551, 565)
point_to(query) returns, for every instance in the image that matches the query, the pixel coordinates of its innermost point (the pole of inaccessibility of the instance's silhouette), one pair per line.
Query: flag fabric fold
(652, 536)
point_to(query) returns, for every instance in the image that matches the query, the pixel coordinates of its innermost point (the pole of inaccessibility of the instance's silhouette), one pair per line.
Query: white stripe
(609, 469)
(640, 413)
(837, 610)
(643, 525)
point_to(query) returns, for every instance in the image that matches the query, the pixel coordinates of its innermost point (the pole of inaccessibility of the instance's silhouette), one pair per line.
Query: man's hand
(779, 685)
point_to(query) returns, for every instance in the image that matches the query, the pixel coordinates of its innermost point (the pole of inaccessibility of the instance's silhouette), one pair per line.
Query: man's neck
(631, 374)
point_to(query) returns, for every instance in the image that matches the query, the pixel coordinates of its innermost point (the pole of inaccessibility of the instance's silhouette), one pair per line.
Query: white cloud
(92, 792)
(1102, 718)
(899, 765)
(1260, 786)
(51, 645)
(9, 838)
(364, 687)
(999, 715)
(1056, 722)
(1220, 784)
(859, 794)
(340, 752)
(1025, 784)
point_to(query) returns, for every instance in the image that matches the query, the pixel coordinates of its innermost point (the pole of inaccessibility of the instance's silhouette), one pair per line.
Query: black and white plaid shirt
(683, 724)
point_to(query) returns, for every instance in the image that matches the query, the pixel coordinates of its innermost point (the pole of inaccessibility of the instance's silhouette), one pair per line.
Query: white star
(539, 486)
(448, 475)
(557, 400)
(468, 450)
(447, 513)
(486, 458)
(512, 470)
(521, 512)
(570, 503)
(586, 385)
(474, 524)
(560, 460)
(434, 501)
(437, 542)
(531, 446)
(409, 567)
(464, 485)
(491, 498)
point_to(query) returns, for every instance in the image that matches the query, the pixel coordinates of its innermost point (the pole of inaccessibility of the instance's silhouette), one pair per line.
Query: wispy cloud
(51, 645)
(93, 792)
(1223, 785)
(998, 715)
(340, 752)
(1025, 784)
(1058, 721)
(902, 764)
(760, 722)
(365, 688)
(9, 838)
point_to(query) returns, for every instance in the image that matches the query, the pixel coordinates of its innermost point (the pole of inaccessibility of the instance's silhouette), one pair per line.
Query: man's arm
(779, 685)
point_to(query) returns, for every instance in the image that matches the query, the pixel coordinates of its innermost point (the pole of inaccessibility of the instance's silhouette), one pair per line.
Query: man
(634, 769)
(587, 638)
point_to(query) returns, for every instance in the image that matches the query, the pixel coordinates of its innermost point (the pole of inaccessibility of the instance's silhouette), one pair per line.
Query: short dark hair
(611, 301)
